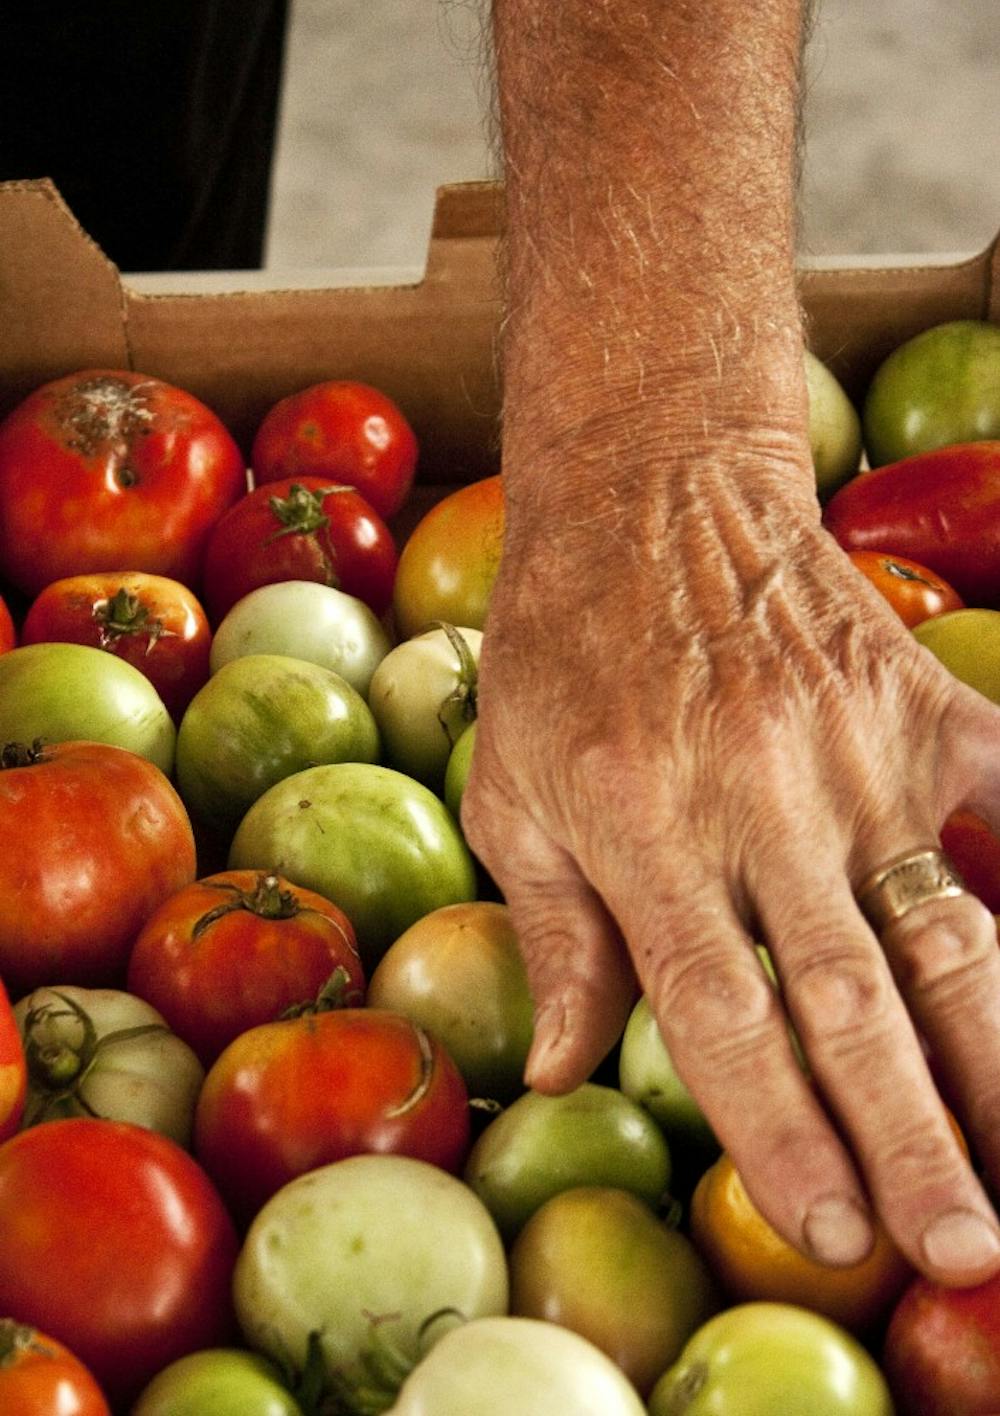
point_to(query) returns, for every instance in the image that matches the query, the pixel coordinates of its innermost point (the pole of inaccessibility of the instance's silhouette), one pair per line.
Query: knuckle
(716, 1006)
(947, 953)
(839, 993)
(921, 1157)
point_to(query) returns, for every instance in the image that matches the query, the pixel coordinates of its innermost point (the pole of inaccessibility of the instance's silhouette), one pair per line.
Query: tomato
(939, 387)
(942, 1350)
(940, 509)
(541, 1145)
(13, 1069)
(913, 591)
(458, 972)
(150, 621)
(222, 1381)
(305, 528)
(344, 431)
(360, 1253)
(103, 1052)
(966, 642)
(834, 428)
(450, 560)
(41, 1377)
(61, 692)
(259, 719)
(117, 1244)
(92, 840)
(597, 1260)
(423, 696)
(380, 845)
(304, 620)
(771, 1359)
(8, 633)
(241, 948)
(106, 468)
(974, 850)
(751, 1261)
(515, 1364)
(456, 773)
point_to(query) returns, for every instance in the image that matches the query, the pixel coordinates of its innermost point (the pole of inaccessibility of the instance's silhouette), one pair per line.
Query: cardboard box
(430, 343)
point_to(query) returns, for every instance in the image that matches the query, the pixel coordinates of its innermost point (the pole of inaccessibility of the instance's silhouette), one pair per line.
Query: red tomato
(105, 468)
(913, 591)
(303, 528)
(92, 839)
(344, 431)
(942, 1350)
(152, 622)
(289, 1096)
(116, 1243)
(238, 949)
(975, 852)
(450, 561)
(41, 1377)
(8, 634)
(13, 1071)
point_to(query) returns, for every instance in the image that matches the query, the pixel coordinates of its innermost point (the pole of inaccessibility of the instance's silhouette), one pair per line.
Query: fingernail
(838, 1231)
(961, 1241)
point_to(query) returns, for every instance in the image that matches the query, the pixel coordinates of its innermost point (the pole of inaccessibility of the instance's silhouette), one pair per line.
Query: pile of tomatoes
(265, 1144)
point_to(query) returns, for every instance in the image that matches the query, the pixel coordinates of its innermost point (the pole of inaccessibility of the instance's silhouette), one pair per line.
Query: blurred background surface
(384, 100)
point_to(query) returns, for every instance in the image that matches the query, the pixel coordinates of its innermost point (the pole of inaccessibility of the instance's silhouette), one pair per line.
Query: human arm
(696, 730)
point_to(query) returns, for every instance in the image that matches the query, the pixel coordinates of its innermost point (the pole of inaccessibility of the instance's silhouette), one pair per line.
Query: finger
(728, 1036)
(582, 982)
(868, 1063)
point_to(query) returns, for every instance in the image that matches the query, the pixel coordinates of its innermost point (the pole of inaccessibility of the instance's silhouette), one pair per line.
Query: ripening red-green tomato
(295, 1094)
(598, 1260)
(541, 1145)
(221, 1381)
(770, 1359)
(941, 1351)
(458, 972)
(450, 560)
(913, 591)
(41, 1377)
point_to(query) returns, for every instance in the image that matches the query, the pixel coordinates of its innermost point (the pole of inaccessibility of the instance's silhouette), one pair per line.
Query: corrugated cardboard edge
(431, 345)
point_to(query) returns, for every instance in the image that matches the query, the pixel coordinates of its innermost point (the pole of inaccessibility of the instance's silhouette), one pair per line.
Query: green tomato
(647, 1075)
(423, 696)
(541, 1145)
(61, 692)
(457, 771)
(375, 842)
(304, 620)
(771, 1359)
(940, 387)
(361, 1253)
(259, 719)
(834, 428)
(458, 972)
(967, 642)
(104, 1052)
(219, 1381)
(598, 1260)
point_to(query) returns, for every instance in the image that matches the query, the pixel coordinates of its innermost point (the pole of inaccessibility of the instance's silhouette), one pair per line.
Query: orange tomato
(913, 591)
(41, 1377)
(752, 1261)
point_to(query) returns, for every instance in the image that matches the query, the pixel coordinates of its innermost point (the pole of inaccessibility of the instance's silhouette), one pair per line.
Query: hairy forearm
(649, 156)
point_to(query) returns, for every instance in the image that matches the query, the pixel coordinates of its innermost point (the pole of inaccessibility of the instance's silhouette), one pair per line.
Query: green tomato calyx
(464, 696)
(268, 898)
(301, 514)
(124, 613)
(16, 1338)
(333, 994)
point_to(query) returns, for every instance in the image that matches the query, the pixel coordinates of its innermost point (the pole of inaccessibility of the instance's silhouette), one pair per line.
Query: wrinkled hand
(700, 728)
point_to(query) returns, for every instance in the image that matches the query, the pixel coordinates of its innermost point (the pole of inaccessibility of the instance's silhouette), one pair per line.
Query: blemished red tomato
(913, 591)
(92, 839)
(974, 850)
(155, 623)
(8, 632)
(13, 1070)
(343, 430)
(305, 528)
(41, 1377)
(289, 1096)
(116, 1243)
(238, 949)
(942, 1350)
(107, 468)
(449, 562)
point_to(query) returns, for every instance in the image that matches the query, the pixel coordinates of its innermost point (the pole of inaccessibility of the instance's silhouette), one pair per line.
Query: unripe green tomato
(834, 428)
(598, 1261)
(967, 642)
(541, 1145)
(219, 1381)
(647, 1075)
(423, 697)
(771, 1359)
(457, 772)
(458, 972)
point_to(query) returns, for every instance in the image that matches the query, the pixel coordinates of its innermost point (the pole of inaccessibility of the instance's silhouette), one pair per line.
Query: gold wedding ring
(906, 882)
